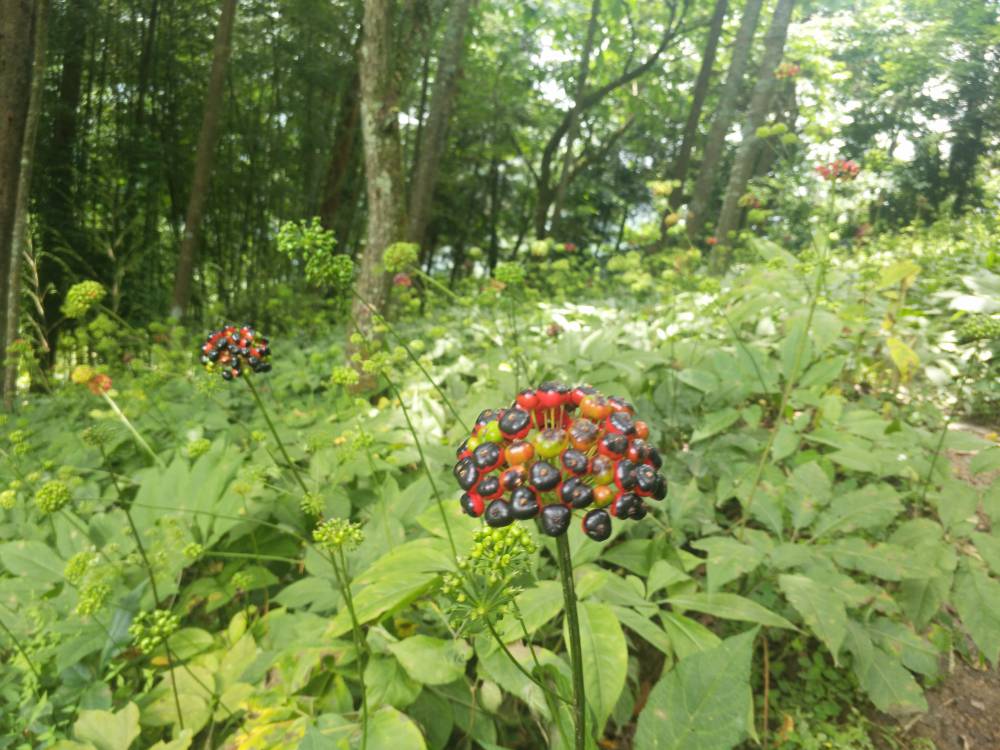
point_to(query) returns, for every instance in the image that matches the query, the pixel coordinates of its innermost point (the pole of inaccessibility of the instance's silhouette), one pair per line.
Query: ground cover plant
(487, 375)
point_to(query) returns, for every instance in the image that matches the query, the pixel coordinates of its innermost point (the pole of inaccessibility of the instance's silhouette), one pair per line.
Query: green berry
(52, 497)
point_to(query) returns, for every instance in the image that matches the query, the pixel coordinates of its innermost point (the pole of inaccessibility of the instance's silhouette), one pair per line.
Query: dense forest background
(306, 310)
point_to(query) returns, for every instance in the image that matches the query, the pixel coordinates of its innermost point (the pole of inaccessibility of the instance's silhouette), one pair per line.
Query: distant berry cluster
(839, 169)
(558, 449)
(230, 349)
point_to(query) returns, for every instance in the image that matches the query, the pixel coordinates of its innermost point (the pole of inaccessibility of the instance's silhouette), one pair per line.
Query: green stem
(423, 462)
(135, 433)
(19, 647)
(576, 653)
(343, 580)
(152, 584)
(516, 663)
(281, 446)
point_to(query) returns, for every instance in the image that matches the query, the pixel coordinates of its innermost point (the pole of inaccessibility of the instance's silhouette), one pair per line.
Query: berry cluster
(839, 169)
(52, 497)
(787, 70)
(555, 450)
(978, 328)
(150, 629)
(230, 347)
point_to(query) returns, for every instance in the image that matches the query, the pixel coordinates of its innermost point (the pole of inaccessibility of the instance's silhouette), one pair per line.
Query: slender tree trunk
(20, 229)
(679, 168)
(203, 160)
(430, 147)
(760, 103)
(16, 22)
(559, 199)
(383, 159)
(344, 137)
(722, 120)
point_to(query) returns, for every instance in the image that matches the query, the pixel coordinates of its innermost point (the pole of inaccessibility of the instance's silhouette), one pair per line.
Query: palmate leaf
(704, 703)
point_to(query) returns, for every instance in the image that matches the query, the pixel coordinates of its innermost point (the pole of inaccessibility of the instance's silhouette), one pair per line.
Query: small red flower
(402, 279)
(839, 169)
(99, 384)
(712, 241)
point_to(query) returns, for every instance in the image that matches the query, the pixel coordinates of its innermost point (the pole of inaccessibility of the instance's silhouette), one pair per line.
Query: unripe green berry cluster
(312, 504)
(78, 566)
(81, 297)
(337, 533)
(93, 598)
(150, 629)
(193, 551)
(400, 255)
(198, 448)
(978, 328)
(8, 499)
(52, 496)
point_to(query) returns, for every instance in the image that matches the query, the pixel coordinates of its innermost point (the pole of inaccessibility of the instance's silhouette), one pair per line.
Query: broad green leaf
(916, 653)
(493, 664)
(901, 271)
(976, 596)
(106, 730)
(921, 598)
(34, 560)
(889, 685)
(871, 507)
(605, 657)
(985, 460)
(785, 442)
(796, 349)
(390, 729)
(729, 607)
(857, 458)
(821, 608)
(988, 547)
(182, 742)
(389, 684)
(663, 575)
(704, 703)
(890, 562)
(645, 627)
(432, 661)
(714, 423)
(905, 359)
(823, 372)
(728, 559)
(808, 492)
(537, 606)
(687, 636)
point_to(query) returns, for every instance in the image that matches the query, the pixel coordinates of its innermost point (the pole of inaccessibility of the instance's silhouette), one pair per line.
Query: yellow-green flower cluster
(338, 533)
(78, 566)
(8, 499)
(93, 598)
(312, 504)
(52, 496)
(400, 255)
(199, 447)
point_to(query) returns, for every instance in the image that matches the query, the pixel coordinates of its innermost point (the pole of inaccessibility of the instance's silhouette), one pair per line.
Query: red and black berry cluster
(839, 169)
(555, 450)
(230, 349)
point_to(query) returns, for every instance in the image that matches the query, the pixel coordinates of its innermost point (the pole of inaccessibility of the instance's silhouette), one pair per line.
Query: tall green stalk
(339, 567)
(576, 653)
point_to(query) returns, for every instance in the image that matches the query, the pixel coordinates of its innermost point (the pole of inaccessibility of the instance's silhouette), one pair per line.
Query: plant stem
(343, 579)
(576, 656)
(19, 647)
(281, 446)
(135, 433)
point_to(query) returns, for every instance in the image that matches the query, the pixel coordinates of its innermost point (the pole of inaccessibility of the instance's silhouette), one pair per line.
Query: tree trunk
(546, 190)
(341, 163)
(15, 87)
(559, 199)
(715, 141)
(20, 228)
(203, 160)
(760, 103)
(680, 166)
(383, 160)
(430, 147)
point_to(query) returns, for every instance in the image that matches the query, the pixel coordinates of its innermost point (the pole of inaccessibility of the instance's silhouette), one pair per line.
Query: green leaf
(645, 627)
(809, 490)
(537, 606)
(714, 423)
(605, 657)
(432, 661)
(687, 636)
(890, 562)
(704, 703)
(34, 560)
(729, 607)
(976, 596)
(663, 575)
(897, 272)
(820, 607)
(389, 684)
(916, 653)
(871, 507)
(857, 458)
(728, 559)
(905, 359)
(985, 460)
(106, 730)
(891, 688)
(823, 372)
(989, 549)
(390, 729)
(785, 442)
